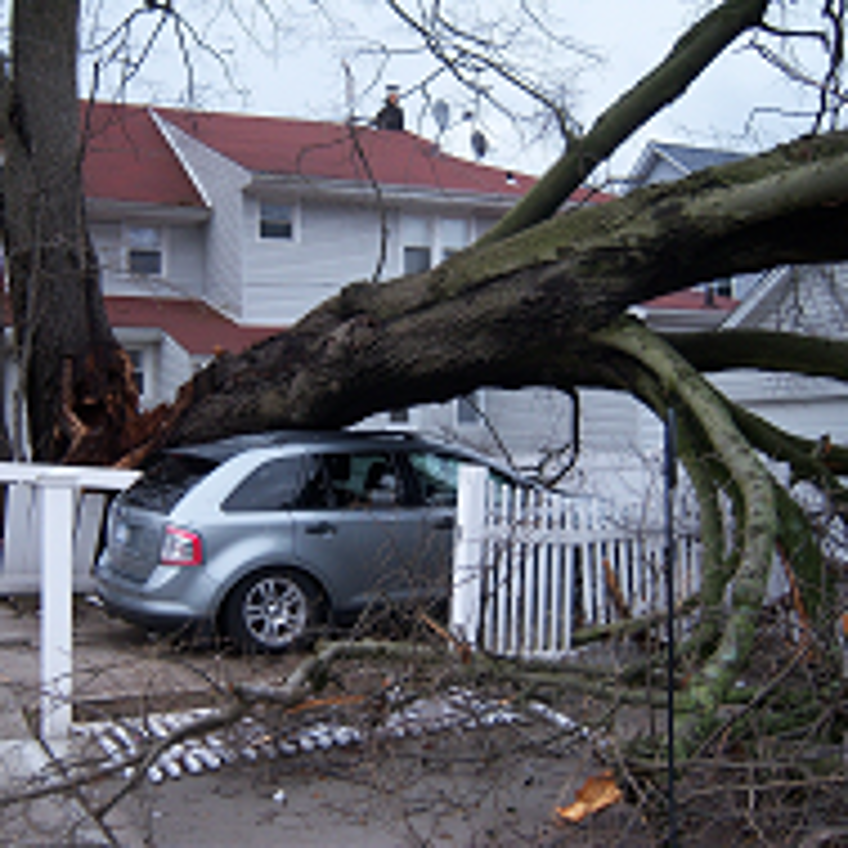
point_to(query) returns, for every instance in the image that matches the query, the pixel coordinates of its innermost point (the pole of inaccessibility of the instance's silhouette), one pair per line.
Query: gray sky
(295, 67)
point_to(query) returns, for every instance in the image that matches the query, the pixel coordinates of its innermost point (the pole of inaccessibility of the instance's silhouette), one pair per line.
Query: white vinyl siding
(453, 236)
(187, 260)
(806, 406)
(175, 368)
(182, 275)
(336, 245)
(525, 420)
(615, 421)
(222, 181)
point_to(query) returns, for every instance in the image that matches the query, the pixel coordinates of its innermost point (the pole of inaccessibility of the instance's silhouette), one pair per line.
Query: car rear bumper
(136, 603)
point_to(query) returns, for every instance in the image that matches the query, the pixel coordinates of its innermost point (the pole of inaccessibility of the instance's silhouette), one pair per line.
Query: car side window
(361, 481)
(275, 485)
(436, 474)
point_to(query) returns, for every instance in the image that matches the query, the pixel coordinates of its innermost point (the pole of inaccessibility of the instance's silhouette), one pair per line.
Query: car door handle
(445, 523)
(322, 528)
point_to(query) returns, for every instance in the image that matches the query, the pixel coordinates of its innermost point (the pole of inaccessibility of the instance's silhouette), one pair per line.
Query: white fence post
(56, 512)
(468, 552)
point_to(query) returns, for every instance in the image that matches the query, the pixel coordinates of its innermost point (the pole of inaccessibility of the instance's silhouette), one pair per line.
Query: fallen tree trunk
(521, 311)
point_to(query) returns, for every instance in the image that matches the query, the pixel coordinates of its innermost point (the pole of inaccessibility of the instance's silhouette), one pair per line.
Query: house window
(453, 234)
(276, 221)
(416, 260)
(469, 409)
(724, 287)
(144, 251)
(137, 359)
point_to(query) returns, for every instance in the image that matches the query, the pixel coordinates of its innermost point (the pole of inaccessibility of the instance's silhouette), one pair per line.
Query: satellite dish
(479, 144)
(441, 114)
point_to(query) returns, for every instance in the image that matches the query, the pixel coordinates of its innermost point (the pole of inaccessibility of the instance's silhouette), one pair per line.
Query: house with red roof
(215, 230)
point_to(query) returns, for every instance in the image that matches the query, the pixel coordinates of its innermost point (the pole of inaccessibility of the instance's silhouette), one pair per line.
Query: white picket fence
(531, 566)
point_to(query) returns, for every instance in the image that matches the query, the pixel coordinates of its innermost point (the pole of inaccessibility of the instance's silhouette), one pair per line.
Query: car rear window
(167, 480)
(278, 484)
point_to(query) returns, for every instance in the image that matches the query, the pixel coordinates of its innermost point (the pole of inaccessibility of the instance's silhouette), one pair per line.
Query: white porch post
(52, 531)
(56, 527)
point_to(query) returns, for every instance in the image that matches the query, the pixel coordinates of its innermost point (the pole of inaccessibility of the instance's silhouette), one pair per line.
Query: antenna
(479, 144)
(441, 115)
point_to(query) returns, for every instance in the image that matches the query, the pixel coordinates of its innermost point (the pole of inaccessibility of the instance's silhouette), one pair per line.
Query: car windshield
(167, 480)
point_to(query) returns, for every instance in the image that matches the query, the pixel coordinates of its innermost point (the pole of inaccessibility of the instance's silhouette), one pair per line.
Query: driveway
(491, 777)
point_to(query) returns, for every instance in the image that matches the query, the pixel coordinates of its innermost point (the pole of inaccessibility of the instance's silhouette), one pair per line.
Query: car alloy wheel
(271, 611)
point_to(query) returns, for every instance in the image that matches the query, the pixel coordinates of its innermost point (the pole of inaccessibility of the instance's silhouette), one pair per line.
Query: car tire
(274, 610)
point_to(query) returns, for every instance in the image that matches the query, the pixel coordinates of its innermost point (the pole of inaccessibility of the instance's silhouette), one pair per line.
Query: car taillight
(181, 547)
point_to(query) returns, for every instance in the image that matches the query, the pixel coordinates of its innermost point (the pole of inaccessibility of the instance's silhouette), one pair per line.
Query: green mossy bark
(698, 704)
(692, 53)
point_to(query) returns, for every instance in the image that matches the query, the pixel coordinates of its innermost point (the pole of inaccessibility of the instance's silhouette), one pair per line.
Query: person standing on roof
(390, 117)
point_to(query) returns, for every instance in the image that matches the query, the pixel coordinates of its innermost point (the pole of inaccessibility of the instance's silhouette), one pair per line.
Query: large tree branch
(682, 384)
(765, 350)
(689, 57)
(521, 311)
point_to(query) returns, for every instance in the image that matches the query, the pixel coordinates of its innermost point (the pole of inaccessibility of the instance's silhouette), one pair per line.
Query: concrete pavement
(117, 672)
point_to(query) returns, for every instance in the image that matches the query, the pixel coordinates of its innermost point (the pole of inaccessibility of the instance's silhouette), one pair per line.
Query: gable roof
(320, 149)
(683, 158)
(126, 159)
(129, 159)
(691, 159)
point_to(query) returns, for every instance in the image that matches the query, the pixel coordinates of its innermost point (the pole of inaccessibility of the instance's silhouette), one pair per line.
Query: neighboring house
(812, 300)
(662, 162)
(809, 300)
(622, 447)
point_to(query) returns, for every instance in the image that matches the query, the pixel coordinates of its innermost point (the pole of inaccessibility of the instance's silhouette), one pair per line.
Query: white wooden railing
(531, 566)
(19, 555)
(52, 523)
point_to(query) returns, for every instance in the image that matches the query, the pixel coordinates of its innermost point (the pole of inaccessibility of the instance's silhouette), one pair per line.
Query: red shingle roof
(327, 150)
(191, 323)
(128, 159)
(692, 299)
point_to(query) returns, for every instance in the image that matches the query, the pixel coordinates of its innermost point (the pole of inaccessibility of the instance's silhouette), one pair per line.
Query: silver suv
(267, 537)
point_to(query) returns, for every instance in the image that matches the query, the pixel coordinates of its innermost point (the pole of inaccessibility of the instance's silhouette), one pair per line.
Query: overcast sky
(297, 69)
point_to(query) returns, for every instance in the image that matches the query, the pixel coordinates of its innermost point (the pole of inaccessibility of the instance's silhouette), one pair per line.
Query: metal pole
(670, 485)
